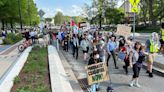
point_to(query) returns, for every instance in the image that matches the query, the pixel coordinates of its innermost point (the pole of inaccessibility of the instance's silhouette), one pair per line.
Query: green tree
(78, 19)
(152, 10)
(58, 19)
(66, 18)
(9, 12)
(48, 19)
(114, 15)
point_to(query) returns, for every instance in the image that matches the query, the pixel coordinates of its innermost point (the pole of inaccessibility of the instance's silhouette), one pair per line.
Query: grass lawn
(34, 76)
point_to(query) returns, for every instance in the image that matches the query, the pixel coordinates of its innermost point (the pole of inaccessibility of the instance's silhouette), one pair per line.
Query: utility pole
(20, 17)
(134, 23)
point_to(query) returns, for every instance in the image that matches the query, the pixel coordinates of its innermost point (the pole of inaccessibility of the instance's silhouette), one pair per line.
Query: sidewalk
(7, 59)
(4, 47)
(119, 79)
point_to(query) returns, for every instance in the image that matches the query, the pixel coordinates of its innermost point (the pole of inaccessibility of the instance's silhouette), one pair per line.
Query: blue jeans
(102, 58)
(94, 87)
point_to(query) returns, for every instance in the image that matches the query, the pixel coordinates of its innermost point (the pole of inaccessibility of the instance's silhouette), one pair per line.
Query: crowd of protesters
(30, 35)
(100, 46)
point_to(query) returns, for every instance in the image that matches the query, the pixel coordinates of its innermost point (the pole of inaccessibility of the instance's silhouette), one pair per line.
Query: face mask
(97, 56)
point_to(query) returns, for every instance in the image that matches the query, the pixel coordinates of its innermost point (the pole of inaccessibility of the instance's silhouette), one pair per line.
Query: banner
(82, 24)
(97, 73)
(123, 30)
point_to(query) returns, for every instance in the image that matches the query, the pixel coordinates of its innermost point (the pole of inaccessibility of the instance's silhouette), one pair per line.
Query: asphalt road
(120, 81)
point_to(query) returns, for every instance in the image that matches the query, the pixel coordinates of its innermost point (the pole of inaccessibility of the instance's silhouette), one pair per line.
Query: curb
(58, 77)
(73, 80)
(7, 80)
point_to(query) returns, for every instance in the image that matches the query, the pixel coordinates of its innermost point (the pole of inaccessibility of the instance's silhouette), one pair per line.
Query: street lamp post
(20, 17)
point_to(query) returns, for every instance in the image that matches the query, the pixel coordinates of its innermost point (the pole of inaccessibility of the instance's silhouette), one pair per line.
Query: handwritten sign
(97, 73)
(123, 30)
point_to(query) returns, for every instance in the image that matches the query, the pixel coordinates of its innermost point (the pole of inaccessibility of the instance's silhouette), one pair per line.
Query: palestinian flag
(72, 23)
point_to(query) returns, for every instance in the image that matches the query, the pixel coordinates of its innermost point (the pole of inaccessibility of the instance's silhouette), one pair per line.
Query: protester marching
(98, 47)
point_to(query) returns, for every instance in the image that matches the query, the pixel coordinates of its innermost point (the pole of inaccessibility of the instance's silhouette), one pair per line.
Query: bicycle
(24, 45)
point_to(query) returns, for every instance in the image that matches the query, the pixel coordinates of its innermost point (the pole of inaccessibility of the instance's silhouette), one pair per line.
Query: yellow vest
(162, 33)
(153, 47)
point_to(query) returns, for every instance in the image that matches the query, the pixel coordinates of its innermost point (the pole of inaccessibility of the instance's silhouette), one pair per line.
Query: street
(119, 79)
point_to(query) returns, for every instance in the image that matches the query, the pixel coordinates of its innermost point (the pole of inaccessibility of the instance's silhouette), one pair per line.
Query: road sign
(41, 13)
(134, 2)
(134, 9)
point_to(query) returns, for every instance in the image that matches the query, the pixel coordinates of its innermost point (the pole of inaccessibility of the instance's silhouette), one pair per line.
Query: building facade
(127, 9)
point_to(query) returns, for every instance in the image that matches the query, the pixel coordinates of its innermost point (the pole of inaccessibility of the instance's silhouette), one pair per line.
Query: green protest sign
(97, 73)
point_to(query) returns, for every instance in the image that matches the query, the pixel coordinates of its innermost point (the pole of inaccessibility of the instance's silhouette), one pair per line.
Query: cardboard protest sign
(123, 30)
(97, 73)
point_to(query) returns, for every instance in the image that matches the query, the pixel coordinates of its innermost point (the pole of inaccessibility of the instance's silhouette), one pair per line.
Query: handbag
(121, 55)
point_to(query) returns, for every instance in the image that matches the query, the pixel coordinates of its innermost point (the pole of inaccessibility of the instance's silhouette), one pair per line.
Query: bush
(7, 41)
(12, 38)
(143, 29)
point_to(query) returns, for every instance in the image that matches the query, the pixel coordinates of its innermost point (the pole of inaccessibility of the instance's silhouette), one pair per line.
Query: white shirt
(32, 33)
(84, 44)
(76, 41)
(75, 30)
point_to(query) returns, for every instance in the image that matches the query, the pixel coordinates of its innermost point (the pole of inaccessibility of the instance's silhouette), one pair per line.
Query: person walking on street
(85, 46)
(136, 58)
(75, 46)
(101, 49)
(27, 35)
(94, 59)
(123, 53)
(111, 47)
(152, 47)
(32, 35)
(65, 43)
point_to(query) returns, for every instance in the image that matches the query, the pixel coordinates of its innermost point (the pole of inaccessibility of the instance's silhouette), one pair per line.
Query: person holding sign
(94, 59)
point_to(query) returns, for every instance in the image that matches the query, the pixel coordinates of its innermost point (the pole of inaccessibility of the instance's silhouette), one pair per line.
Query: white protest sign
(123, 30)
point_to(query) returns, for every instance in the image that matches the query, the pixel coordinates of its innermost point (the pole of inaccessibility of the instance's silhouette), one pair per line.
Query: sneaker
(150, 75)
(131, 84)
(147, 71)
(97, 89)
(137, 85)
(127, 73)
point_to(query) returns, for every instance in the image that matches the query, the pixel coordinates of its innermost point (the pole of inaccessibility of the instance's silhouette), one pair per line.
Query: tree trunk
(3, 24)
(11, 24)
(153, 18)
(6, 24)
(154, 21)
(100, 22)
(145, 22)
